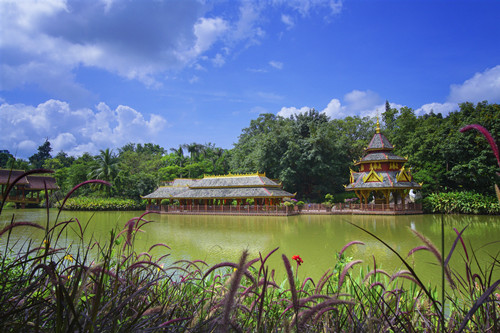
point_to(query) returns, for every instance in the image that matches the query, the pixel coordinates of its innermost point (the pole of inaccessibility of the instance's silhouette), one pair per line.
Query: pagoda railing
(351, 207)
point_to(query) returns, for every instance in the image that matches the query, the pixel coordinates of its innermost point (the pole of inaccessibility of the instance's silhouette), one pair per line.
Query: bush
(461, 202)
(100, 204)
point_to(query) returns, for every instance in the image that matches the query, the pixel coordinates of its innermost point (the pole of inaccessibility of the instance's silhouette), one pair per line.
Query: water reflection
(315, 238)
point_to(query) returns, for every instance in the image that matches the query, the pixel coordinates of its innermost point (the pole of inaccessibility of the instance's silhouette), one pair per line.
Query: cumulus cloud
(25, 127)
(287, 112)
(356, 103)
(45, 42)
(482, 86)
(443, 108)
(334, 109)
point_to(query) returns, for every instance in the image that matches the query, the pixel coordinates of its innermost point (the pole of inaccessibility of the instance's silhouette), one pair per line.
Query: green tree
(4, 158)
(106, 167)
(43, 154)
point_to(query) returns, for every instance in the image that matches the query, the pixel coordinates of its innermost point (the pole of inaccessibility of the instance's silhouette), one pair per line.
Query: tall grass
(93, 286)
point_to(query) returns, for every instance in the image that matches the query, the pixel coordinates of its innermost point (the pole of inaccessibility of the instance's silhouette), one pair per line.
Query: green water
(315, 238)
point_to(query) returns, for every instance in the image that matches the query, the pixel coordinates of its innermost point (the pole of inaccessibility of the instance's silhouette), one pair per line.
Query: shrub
(461, 202)
(100, 204)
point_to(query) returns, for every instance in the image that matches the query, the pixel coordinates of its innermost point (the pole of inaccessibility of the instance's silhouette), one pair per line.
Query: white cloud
(334, 109)
(288, 21)
(287, 112)
(305, 7)
(359, 101)
(356, 103)
(276, 64)
(443, 108)
(207, 32)
(74, 130)
(45, 42)
(482, 86)
(219, 60)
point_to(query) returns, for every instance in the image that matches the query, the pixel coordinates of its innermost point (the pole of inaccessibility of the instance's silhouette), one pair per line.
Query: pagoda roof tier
(380, 180)
(379, 142)
(381, 156)
(231, 181)
(234, 193)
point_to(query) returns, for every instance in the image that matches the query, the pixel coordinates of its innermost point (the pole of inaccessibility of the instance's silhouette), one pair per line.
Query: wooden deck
(308, 209)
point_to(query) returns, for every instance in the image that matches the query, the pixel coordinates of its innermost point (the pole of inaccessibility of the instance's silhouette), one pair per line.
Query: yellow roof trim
(230, 175)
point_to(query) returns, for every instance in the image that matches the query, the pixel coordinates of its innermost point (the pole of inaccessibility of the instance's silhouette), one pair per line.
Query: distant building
(382, 174)
(28, 189)
(225, 189)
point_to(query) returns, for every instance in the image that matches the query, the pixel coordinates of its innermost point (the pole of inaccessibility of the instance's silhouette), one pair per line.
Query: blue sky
(90, 75)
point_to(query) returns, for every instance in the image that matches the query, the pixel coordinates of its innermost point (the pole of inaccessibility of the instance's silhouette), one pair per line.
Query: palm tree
(194, 150)
(179, 153)
(106, 167)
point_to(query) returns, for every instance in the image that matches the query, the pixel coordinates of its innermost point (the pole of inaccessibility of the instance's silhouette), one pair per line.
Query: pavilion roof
(38, 183)
(231, 181)
(8, 176)
(234, 193)
(166, 192)
(178, 182)
(219, 187)
(389, 181)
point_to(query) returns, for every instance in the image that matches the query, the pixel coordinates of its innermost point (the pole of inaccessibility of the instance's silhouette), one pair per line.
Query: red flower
(298, 259)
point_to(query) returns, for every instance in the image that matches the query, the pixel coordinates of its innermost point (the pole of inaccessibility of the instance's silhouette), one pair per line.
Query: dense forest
(310, 153)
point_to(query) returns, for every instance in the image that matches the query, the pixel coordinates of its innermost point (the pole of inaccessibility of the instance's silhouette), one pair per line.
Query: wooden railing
(285, 210)
(20, 199)
(224, 209)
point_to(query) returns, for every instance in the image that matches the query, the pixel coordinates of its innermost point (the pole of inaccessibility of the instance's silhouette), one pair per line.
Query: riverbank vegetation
(110, 287)
(310, 153)
(461, 203)
(100, 204)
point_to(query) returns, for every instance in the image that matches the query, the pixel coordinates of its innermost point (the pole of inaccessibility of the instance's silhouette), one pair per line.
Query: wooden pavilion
(383, 175)
(28, 190)
(227, 193)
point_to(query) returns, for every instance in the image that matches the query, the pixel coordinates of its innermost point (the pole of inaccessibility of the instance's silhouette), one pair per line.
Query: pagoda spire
(378, 127)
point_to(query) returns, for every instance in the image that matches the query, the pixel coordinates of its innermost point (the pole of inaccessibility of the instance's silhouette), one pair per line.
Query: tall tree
(106, 167)
(43, 154)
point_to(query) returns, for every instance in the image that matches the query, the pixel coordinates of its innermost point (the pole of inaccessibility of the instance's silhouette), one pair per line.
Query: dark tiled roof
(389, 181)
(38, 183)
(379, 142)
(234, 181)
(231, 186)
(183, 182)
(234, 193)
(382, 156)
(4, 177)
(165, 192)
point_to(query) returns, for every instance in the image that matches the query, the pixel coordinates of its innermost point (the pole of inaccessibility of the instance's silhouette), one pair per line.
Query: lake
(316, 238)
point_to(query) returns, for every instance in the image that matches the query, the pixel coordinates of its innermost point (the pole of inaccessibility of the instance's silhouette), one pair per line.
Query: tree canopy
(309, 153)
